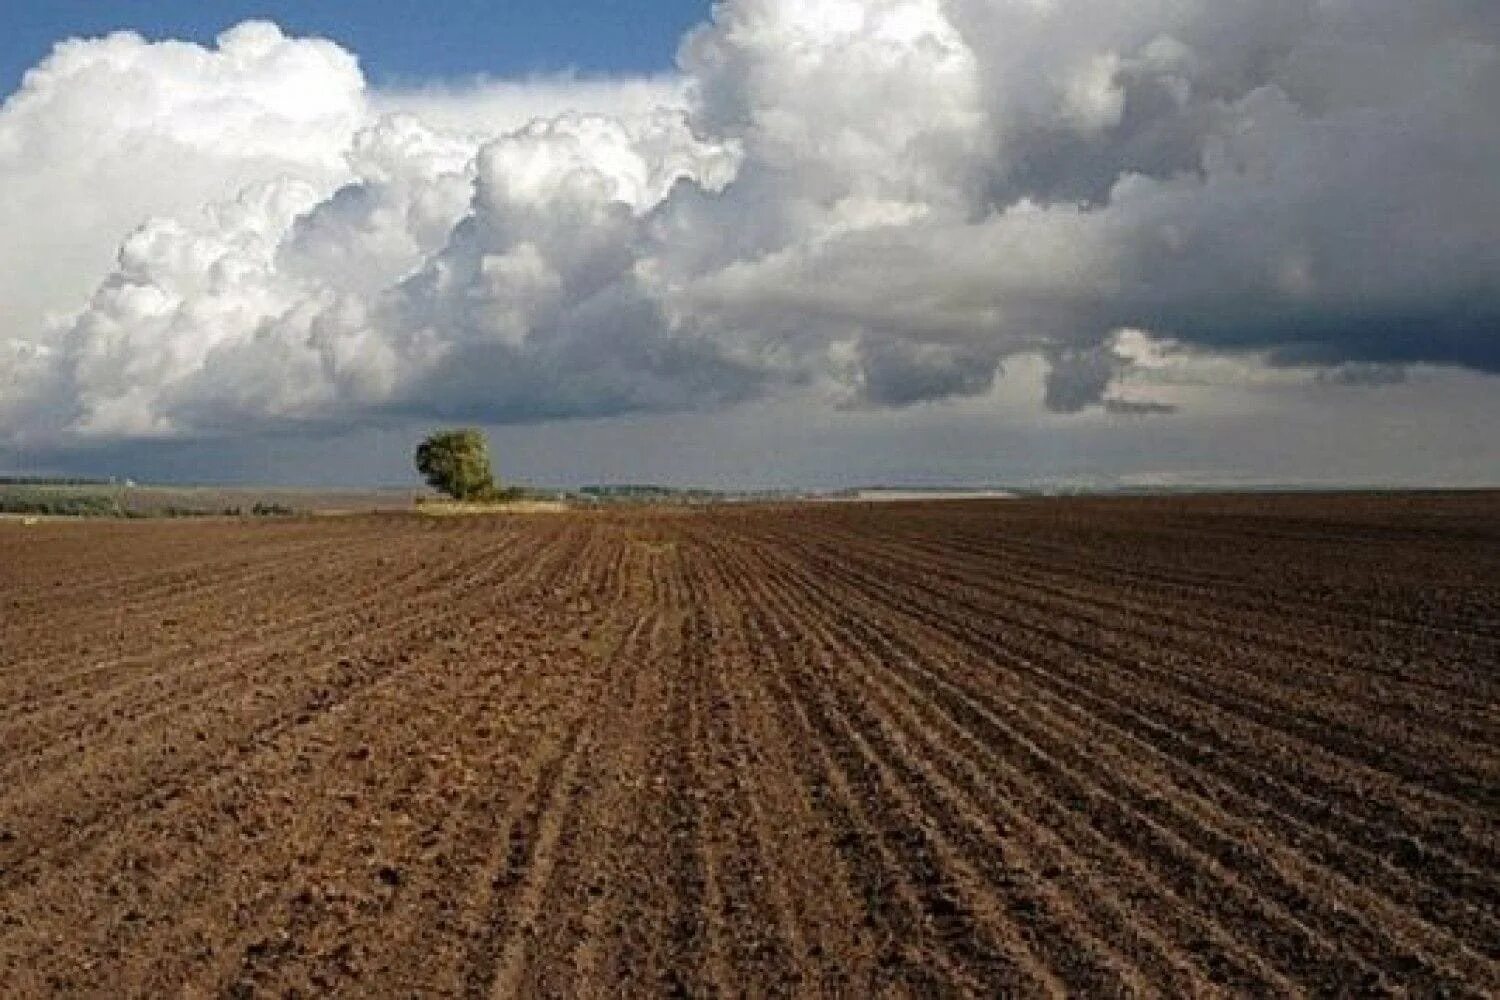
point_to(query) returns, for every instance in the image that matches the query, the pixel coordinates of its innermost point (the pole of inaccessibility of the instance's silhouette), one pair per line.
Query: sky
(396, 40)
(791, 243)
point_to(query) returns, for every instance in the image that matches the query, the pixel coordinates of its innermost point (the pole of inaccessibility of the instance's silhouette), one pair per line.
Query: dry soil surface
(1208, 746)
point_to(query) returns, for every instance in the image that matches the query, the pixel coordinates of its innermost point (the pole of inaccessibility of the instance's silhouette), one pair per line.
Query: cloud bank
(870, 202)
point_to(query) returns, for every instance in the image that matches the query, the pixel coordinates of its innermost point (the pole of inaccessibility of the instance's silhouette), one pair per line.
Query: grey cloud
(895, 373)
(1078, 379)
(1362, 374)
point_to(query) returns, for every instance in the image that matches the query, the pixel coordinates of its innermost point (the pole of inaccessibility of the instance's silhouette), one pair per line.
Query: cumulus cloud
(107, 133)
(874, 202)
(485, 107)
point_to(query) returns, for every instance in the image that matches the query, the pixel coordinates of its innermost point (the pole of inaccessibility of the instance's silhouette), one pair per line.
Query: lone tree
(457, 462)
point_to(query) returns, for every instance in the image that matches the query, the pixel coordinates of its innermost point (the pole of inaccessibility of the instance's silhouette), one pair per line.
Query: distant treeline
(61, 505)
(635, 491)
(54, 481)
(45, 500)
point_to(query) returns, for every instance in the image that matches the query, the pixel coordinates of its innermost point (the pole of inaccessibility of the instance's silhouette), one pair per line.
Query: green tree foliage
(457, 462)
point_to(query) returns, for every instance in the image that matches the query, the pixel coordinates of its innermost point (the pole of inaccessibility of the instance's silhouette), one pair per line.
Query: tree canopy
(457, 462)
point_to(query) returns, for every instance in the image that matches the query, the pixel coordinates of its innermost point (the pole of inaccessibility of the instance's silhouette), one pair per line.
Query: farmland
(1180, 746)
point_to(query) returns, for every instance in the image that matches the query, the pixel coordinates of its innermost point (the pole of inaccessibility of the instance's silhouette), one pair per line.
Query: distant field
(1184, 746)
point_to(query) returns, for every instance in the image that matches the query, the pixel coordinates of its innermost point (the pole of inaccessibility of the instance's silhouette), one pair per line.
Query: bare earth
(1128, 747)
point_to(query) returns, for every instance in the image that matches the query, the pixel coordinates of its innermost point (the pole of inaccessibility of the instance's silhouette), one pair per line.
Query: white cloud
(872, 201)
(107, 132)
(484, 107)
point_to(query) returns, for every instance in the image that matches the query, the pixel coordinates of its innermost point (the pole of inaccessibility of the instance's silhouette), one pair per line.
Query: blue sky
(398, 41)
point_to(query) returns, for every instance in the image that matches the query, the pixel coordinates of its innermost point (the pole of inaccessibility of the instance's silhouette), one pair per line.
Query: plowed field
(1129, 747)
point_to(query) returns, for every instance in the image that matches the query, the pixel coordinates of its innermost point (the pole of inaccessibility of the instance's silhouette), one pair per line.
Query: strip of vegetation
(52, 481)
(84, 505)
(52, 501)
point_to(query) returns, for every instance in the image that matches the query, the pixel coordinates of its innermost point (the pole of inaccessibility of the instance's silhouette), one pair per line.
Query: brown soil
(1203, 746)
